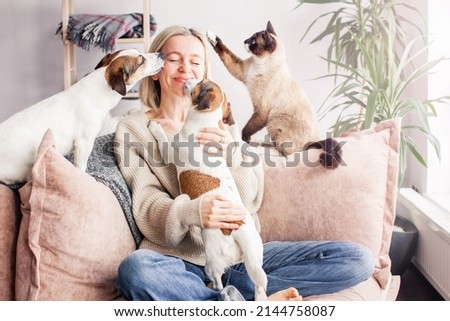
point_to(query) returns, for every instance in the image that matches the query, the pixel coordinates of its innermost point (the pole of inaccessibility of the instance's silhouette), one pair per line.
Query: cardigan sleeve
(163, 215)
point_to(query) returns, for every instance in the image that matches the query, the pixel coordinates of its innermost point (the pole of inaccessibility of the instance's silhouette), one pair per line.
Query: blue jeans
(311, 267)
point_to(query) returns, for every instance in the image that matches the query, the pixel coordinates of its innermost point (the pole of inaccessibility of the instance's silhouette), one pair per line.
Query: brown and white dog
(75, 115)
(223, 248)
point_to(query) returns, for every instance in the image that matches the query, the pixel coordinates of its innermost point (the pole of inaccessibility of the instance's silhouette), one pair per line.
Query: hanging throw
(102, 31)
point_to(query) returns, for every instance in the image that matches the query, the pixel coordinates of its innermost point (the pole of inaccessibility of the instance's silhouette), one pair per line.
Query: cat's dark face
(262, 42)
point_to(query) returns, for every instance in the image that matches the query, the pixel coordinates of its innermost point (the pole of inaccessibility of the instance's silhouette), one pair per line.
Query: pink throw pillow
(355, 202)
(9, 222)
(73, 234)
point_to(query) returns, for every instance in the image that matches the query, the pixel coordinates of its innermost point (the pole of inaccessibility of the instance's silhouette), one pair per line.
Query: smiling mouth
(181, 79)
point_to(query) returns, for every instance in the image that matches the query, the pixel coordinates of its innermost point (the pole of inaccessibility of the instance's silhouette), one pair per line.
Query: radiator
(432, 256)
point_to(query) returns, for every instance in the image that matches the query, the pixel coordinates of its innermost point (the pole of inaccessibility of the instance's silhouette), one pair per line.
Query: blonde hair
(150, 90)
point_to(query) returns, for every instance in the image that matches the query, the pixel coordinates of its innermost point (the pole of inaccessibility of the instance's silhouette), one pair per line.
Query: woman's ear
(155, 77)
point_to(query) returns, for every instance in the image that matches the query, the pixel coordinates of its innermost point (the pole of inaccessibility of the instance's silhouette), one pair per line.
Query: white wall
(32, 57)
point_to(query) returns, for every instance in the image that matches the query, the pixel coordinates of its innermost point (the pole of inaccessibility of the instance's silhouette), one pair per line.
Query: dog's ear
(117, 81)
(227, 115)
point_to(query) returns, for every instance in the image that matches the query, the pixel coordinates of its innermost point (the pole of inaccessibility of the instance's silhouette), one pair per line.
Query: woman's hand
(219, 212)
(219, 136)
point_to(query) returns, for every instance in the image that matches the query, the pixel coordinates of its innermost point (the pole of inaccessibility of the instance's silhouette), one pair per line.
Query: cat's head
(263, 42)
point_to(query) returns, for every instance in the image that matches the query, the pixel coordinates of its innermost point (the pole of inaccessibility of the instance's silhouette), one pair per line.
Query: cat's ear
(270, 29)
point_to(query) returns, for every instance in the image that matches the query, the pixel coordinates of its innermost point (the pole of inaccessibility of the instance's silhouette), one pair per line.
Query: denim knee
(129, 272)
(367, 262)
(126, 265)
(364, 261)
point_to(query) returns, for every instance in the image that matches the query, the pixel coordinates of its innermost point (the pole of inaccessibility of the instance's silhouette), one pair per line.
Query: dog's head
(207, 96)
(124, 68)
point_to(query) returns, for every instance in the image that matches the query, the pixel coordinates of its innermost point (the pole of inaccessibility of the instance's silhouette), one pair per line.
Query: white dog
(222, 248)
(75, 115)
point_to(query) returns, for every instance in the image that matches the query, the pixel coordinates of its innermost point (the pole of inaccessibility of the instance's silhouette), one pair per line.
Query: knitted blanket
(102, 31)
(103, 167)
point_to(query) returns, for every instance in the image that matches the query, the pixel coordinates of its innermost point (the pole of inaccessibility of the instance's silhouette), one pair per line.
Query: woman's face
(185, 59)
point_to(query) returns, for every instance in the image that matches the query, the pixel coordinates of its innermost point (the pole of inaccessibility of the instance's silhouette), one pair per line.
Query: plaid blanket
(102, 31)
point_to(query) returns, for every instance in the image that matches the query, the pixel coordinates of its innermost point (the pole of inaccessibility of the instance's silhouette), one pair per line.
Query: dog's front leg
(81, 152)
(164, 142)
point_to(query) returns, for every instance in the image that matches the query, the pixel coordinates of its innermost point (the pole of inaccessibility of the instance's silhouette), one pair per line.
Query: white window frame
(438, 173)
(433, 182)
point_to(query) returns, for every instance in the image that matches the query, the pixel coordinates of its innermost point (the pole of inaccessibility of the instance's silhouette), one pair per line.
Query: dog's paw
(154, 126)
(212, 38)
(156, 129)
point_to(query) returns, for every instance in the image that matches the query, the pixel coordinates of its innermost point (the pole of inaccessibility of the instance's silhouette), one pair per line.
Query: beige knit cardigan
(169, 221)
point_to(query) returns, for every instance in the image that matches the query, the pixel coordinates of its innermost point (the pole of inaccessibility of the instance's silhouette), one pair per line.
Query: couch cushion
(73, 234)
(355, 202)
(368, 290)
(9, 222)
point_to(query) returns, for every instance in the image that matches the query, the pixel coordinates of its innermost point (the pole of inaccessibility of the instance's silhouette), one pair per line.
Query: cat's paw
(212, 38)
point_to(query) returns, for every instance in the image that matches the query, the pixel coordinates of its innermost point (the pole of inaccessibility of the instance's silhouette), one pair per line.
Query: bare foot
(289, 294)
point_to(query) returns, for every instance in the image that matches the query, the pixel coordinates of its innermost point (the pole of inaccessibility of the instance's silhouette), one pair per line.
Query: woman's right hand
(219, 212)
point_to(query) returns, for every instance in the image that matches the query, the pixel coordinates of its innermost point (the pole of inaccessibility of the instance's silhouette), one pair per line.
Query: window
(434, 182)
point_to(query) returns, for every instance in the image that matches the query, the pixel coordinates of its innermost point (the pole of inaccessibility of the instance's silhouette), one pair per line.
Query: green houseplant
(373, 62)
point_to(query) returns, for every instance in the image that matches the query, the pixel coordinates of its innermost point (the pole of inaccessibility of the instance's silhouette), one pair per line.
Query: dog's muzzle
(190, 84)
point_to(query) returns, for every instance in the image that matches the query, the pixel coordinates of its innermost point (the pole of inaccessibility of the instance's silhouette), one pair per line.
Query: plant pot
(403, 245)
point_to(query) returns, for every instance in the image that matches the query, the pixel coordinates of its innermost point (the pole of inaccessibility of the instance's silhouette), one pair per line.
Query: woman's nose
(184, 66)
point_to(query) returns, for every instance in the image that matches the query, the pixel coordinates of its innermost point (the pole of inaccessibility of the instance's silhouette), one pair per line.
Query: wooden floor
(415, 287)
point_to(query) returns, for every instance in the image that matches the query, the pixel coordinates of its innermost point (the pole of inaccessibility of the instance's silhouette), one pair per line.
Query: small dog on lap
(223, 248)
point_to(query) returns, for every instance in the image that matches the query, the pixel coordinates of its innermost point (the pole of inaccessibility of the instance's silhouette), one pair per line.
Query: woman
(169, 262)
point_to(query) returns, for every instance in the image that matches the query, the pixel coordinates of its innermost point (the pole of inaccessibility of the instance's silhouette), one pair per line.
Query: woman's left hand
(218, 137)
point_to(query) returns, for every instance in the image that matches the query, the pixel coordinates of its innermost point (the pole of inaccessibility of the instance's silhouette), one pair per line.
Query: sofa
(65, 232)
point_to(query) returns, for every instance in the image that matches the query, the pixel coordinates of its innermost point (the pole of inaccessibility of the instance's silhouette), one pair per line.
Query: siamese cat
(279, 103)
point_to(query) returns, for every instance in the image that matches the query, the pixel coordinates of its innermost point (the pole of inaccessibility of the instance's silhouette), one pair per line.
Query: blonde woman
(169, 264)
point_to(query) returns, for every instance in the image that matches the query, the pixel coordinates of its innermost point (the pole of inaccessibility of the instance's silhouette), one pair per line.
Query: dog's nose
(161, 59)
(190, 84)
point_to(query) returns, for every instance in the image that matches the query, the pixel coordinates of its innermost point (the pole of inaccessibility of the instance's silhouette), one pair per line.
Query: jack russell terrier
(223, 248)
(75, 115)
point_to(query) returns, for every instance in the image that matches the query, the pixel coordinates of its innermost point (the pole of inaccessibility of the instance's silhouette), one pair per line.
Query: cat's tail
(332, 152)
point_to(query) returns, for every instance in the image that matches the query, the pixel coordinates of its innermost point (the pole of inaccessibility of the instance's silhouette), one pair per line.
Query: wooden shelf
(132, 95)
(69, 49)
(130, 40)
